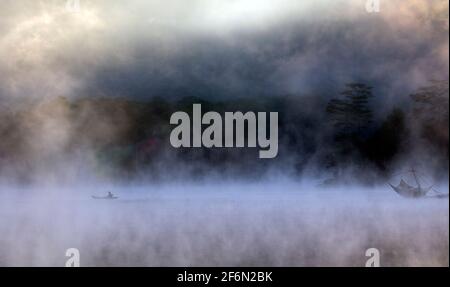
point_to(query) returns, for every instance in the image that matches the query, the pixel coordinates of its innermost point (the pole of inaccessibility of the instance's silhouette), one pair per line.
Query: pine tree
(351, 115)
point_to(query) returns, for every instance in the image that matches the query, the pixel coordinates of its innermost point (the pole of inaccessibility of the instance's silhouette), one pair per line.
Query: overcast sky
(219, 48)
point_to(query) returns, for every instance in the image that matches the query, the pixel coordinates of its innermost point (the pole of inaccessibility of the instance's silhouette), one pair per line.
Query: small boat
(407, 190)
(109, 196)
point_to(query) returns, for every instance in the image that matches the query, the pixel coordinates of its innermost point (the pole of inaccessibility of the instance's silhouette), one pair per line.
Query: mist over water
(276, 223)
(86, 98)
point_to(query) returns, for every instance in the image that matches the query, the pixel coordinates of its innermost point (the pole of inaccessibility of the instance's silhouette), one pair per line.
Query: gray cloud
(218, 48)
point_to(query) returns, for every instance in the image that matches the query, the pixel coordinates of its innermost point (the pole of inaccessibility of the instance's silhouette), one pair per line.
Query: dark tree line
(130, 137)
(355, 137)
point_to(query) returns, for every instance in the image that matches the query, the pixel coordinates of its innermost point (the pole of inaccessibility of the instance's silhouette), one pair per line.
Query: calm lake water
(273, 224)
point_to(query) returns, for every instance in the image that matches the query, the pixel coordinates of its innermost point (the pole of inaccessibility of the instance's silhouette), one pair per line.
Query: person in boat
(110, 195)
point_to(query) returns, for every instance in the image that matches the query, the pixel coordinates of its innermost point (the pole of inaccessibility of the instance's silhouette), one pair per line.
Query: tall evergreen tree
(351, 115)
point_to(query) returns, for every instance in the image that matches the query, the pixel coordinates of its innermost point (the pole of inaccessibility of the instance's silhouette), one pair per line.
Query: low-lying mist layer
(273, 224)
(86, 95)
